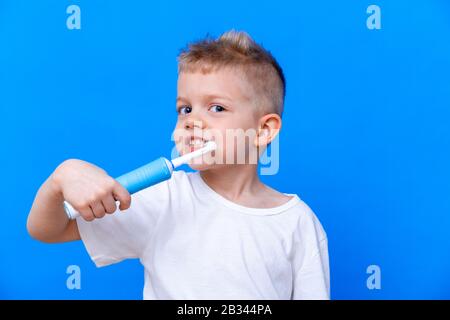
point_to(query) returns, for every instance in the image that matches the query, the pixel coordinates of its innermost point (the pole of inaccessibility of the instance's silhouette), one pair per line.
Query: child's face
(209, 107)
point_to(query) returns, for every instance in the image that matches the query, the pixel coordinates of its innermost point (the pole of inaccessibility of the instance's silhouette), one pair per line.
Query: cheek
(245, 120)
(179, 136)
(244, 129)
(233, 142)
(235, 130)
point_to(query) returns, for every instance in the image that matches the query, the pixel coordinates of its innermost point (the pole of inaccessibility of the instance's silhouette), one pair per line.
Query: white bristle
(209, 146)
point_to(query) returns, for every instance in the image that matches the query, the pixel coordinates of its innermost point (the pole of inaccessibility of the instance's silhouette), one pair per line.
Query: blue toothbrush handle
(148, 175)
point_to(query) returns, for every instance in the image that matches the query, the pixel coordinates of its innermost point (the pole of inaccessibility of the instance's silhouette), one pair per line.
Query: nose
(194, 121)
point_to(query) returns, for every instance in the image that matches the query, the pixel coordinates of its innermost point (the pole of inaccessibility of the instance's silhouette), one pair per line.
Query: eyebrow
(208, 97)
(181, 99)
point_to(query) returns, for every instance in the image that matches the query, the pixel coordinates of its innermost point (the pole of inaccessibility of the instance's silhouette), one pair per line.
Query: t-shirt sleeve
(311, 263)
(125, 234)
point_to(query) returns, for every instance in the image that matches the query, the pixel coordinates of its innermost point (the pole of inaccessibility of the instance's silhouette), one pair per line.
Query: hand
(89, 189)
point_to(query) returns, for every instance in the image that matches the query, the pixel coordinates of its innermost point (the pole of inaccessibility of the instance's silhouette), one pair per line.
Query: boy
(217, 233)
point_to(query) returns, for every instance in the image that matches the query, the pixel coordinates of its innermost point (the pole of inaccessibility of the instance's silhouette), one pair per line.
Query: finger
(122, 195)
(86, 212)
(109, 203)
(98, 209)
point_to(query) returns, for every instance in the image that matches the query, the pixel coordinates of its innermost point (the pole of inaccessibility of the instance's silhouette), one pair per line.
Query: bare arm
(89, 189)
(47, 220)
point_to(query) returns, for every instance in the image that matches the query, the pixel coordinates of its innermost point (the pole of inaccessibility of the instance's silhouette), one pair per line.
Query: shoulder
(299, 216)
(178, 180)
(167, 194)
(181, 176)
(307, 224)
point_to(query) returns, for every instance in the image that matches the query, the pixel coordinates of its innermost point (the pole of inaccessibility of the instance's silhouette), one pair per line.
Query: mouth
(195, 143)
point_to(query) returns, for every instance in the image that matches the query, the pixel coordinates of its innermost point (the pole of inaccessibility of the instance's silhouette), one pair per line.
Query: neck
(233, 181)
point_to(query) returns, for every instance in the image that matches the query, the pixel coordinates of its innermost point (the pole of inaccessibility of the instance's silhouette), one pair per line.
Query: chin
(201, 166)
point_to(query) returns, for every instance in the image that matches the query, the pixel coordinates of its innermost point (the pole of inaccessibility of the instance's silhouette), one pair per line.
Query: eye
(184, 109)
(217, 108)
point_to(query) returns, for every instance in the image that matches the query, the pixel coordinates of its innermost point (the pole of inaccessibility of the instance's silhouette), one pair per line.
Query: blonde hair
(238, 49)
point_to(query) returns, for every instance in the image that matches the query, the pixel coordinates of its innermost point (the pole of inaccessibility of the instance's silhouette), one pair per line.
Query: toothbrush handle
(150, 174)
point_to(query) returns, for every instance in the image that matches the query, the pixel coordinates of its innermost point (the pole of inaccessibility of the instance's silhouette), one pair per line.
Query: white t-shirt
(196, 244)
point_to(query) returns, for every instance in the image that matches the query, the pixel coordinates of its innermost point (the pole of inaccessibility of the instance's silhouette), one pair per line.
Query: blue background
(365, 142)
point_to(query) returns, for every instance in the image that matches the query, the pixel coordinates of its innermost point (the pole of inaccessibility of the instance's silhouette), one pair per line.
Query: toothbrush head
(209, 147)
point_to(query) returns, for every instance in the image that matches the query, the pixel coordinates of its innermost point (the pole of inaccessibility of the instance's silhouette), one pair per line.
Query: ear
(268, 128)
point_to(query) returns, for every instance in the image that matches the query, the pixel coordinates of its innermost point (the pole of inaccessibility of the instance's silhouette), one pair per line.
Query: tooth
(197, 142)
